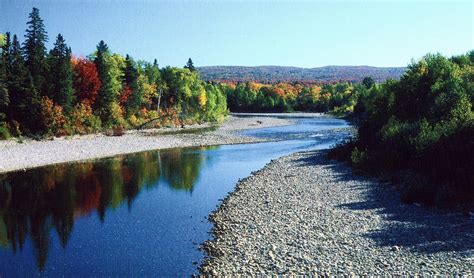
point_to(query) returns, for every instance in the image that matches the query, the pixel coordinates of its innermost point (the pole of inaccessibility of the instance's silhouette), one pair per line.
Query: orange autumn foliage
(53, 118)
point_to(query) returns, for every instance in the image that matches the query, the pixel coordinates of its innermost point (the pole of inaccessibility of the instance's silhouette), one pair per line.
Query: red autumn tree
(86, 80)
(124, 94)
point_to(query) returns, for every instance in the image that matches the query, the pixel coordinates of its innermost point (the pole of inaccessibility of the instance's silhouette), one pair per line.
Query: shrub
(83, 120)
(116, 116)
(358, 158)
(4, 132)
(118, 131)
(53, 119)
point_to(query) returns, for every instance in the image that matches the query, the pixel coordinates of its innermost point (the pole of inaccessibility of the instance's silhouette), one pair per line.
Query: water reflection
(36, 202)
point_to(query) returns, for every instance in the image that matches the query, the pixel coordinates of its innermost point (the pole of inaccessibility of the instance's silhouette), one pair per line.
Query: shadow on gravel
(421, 229)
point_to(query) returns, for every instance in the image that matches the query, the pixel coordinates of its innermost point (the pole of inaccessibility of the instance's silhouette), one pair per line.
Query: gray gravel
(30, 153)
(303, 214)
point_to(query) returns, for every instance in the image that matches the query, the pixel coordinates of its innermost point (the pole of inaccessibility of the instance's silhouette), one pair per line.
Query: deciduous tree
(86, 81)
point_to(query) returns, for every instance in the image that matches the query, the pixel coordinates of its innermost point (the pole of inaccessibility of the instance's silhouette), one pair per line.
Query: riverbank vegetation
(55, 93)
(338, 98)
(420, 131)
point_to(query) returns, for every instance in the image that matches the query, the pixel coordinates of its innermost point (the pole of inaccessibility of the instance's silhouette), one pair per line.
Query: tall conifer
(60, 74)
(24, 99)
(35, 50)
(131, 80)
(106, 96)
(190, 65)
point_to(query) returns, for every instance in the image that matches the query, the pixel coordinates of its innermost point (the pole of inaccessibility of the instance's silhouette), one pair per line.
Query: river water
(138, 214)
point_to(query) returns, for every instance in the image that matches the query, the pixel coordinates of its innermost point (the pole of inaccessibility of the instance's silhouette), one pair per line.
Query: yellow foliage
(83, 119)
(316, 91)
(255, 86)
(202, 98)
(149, 92)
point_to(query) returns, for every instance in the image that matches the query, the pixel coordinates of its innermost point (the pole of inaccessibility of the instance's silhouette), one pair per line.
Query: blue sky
(249, 33)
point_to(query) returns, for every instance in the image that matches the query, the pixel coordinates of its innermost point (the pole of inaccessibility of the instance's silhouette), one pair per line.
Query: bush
(116, 116)
(358, 158)
(83, 120)
(4, 132)
(53, 119)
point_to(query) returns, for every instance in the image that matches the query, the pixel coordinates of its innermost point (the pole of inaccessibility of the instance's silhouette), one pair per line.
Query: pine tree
(24, 99)
(60, 74)
(190, 65)
(131, 81)
(35, 50)
(4, 60)
(106, 95)
(6, 48)
(4, 98)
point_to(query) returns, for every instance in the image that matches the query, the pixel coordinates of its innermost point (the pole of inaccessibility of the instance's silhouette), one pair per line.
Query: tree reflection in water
(34, 202)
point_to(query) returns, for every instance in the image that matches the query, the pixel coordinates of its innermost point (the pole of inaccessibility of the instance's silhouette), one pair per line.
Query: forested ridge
(55, 93)
(276, 74)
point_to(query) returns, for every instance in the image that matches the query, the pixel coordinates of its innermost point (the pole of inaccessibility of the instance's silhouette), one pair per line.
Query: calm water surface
(133, 214)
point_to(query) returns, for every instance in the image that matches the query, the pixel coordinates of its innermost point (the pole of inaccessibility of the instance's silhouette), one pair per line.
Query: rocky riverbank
(17, 155)
(304, 214)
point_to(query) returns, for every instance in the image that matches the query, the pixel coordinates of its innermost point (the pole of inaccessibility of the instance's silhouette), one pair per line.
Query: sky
(251, 33)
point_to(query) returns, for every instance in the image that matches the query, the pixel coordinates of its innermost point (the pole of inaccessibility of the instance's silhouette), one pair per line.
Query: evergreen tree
(4, 60)
(4, 98)
(35, 50)
(24, 99)
(130, 79)
(190, 65)
(60, 74)
(368, 82)
(106, 95)
(6, 48)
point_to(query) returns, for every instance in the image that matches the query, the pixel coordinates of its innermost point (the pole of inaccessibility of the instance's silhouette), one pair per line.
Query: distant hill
(271, 74)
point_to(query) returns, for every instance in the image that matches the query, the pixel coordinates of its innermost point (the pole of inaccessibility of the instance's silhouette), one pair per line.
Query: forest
(419, 131)
(276, 74)
(339, 98)
(55, 93)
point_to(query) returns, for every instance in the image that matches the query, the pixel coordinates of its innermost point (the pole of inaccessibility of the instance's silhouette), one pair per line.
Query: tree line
(338, 98)
(55, 93)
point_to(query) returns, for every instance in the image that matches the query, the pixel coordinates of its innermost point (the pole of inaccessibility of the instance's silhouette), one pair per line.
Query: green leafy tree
(61, 74)
(35, 51)
(152, 85)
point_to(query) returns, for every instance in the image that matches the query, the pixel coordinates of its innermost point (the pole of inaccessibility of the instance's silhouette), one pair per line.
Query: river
(138, 214)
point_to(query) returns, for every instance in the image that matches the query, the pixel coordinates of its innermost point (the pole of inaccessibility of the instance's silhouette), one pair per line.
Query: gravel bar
(30, 153)
(304, 214)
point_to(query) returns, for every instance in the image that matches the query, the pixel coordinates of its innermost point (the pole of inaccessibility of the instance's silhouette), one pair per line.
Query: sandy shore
(30, 153)
(303, 214)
